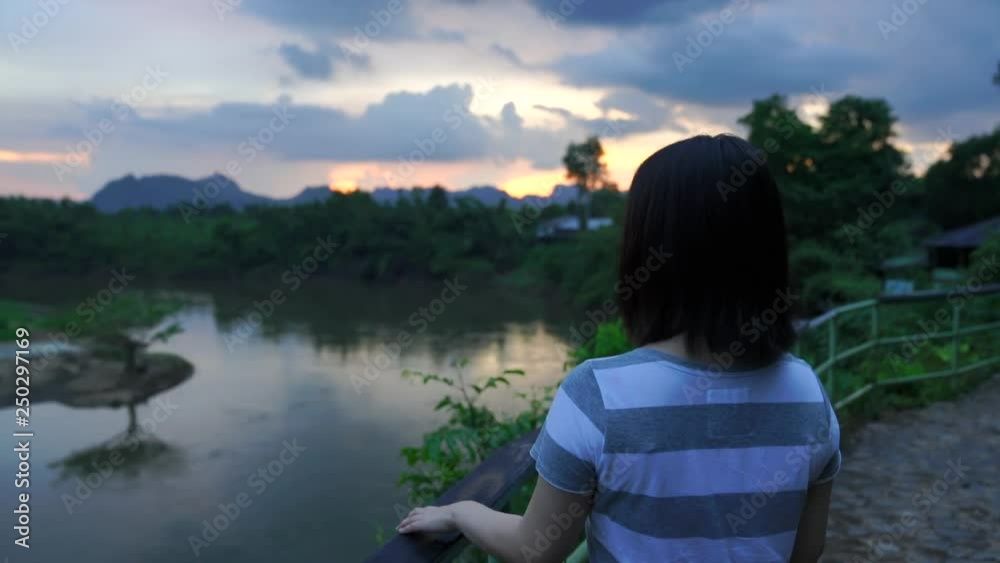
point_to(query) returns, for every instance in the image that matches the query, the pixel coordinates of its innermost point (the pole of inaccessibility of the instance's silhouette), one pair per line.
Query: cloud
(739, 65)
(623, 13)
(440, 125)
(507, 54)
(315, 65)
(626, 112)
(933, 66)
(446, 35)
(375, 18)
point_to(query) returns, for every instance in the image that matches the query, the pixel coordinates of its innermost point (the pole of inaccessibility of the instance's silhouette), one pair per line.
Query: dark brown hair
(711, 204)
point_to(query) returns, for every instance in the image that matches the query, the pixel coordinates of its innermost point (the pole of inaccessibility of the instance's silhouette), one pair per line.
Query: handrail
(931, 294)
(491, 483)
(876, 340)
(494, 481)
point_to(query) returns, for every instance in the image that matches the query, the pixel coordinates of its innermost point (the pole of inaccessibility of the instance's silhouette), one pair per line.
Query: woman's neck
(677, 346)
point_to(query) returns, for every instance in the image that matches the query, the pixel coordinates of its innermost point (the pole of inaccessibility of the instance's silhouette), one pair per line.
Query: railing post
(875, 337)
(832, 346)
(955, 327)
(875, 321)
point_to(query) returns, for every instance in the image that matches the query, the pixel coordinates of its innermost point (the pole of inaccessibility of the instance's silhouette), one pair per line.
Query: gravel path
(922, 485)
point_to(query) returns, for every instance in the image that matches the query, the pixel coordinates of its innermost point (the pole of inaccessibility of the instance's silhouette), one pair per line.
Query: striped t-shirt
(687, 462)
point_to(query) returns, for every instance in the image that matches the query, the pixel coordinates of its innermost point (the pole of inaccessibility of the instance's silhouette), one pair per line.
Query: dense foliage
(421, 235)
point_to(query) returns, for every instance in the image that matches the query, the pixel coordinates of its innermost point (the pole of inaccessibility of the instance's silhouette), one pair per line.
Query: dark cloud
(446, 35)
(938, 65)
(739, 65)
(626, 12)
(932, 64)
(310, 65)
(439, 124)
(374, 18)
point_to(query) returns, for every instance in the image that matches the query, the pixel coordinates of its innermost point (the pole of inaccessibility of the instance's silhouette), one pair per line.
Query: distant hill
(164, 191)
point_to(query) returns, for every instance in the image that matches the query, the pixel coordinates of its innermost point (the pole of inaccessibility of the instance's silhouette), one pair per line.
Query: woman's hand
(438, 519)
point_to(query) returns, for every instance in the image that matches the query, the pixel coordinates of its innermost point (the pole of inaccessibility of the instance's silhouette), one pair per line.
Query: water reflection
(290, 380)
(125, 456)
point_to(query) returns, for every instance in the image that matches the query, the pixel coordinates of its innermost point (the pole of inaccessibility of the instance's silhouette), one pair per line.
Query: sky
(282, 94)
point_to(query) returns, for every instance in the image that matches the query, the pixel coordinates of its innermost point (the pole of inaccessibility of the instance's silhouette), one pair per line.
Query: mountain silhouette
(163, 191)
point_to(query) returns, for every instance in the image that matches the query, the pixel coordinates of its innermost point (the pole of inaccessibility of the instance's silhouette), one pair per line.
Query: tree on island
(584, 165)
(131, 323)
(128, 325)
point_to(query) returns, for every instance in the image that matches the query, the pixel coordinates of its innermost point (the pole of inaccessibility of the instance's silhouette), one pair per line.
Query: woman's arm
(811, 537)
(550, 529)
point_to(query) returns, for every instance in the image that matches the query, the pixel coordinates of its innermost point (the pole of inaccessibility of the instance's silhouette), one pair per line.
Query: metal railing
(494, 481)
(876, 340)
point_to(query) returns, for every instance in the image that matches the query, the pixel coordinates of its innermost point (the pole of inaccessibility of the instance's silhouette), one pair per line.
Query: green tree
(965, 188)
(837, 181)
(130, 323)
(585, 165)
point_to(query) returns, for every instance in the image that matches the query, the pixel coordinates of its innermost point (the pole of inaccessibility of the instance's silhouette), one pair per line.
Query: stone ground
(922, 485)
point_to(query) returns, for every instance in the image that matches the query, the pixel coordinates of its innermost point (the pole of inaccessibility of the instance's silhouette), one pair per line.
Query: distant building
(569, 225)
(952, 249)
(944, 256)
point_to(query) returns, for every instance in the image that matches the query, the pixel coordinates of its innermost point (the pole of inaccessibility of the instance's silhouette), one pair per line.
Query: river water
(274, 418)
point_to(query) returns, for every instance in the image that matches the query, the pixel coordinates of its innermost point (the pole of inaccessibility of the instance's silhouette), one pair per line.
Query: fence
(827, 370)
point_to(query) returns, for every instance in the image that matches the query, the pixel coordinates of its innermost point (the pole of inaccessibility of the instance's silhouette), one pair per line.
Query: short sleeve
(832, 458)
(569, 446)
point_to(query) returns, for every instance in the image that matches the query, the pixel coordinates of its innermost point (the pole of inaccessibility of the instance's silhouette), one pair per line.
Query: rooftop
(970, 236)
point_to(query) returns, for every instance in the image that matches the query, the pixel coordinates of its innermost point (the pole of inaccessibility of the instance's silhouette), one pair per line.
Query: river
(283, 398)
